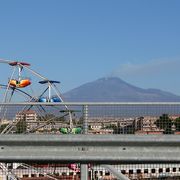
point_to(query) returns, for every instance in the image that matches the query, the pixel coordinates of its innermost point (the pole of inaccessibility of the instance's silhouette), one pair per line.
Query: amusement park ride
(18, 83)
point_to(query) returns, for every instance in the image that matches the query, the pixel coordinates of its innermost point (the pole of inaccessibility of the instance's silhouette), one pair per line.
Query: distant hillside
(116, 90)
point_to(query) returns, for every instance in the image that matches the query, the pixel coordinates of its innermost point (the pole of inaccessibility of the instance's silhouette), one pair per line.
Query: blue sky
(80, 41)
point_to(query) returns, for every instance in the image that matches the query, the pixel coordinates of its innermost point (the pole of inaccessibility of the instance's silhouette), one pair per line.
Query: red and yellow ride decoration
(19, 83)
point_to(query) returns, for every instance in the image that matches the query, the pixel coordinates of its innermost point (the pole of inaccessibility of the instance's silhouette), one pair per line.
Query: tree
(21, 126)
(177, 124)
(128, 129)
(2, 127)
(110, 126)
(164, 122)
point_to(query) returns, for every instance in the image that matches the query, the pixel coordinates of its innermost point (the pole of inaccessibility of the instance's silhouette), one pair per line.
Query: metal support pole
(114, 171)
(84, 172)
(85, 119)
(84, 167)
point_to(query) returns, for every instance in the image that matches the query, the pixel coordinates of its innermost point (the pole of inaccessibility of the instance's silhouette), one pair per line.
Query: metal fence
(95, 171)
(64, 172)
(146, 133)
(91, 118)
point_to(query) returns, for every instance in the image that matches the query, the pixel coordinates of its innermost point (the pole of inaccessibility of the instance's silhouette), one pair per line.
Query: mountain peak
(115, 79)
(114, 89)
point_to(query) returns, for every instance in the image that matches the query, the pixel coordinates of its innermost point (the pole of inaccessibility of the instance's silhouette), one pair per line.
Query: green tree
(21, 126)
(164, 122)
(2, 127)
(177, 124)
(110, 126)
(129, 129)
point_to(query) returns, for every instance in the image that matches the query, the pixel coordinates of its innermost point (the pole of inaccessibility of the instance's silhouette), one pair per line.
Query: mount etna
(114, 89)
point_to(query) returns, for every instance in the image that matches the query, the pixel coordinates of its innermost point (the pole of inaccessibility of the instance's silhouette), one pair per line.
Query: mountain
(114, 89)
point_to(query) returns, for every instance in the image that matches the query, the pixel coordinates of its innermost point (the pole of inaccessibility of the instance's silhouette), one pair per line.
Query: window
(174, 169)
(153, 171)
(160, 170)
(64, 174)
(145, 171)
(138, 171)
(131, 171)
(25, 175)
(107, 173)
(167, 169)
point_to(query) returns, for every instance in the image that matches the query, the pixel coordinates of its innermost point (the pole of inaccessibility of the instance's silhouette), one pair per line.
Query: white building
(29, 116)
